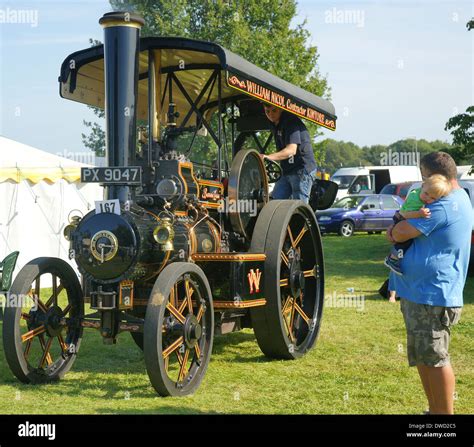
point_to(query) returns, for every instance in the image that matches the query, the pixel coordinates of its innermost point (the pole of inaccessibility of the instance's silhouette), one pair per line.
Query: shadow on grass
(164, 410)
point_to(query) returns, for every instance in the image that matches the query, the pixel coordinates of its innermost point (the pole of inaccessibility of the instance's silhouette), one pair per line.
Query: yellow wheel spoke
(183, 306)
(62, 343)
(200, 313)
(46, 358)
(183, 370)
(167, 364)
(171, 348)
(309, 273)
(176, 313)
(33, 333)
(290, 335)
(292, 240)
(292, 317)
(198, 350)
(300, 236)
(284, 258)
(302, 313)
(174, 295)
(27, 348)
(287, 305)
(189, 293)
(284, 282)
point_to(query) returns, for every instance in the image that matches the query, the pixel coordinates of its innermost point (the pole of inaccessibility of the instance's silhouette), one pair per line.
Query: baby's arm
(422, 212)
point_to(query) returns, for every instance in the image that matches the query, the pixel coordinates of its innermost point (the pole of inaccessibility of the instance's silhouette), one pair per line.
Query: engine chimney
(121, 49)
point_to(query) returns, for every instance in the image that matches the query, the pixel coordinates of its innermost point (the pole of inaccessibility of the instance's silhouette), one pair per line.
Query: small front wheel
(179, 330)
(42, 327)
(346, 229)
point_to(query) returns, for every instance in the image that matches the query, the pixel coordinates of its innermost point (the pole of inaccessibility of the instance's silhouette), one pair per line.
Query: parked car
(397, 189)
(468, 186)
(371, 213)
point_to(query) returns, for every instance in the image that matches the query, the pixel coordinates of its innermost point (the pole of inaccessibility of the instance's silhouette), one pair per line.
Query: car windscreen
(348, 202)
(404, 190)
(389, 189)
(343, 181)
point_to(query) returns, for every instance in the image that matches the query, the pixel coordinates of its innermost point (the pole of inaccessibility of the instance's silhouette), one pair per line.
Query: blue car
(365, 212)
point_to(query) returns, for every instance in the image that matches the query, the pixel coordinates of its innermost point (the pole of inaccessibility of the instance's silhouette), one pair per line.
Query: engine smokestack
(121, 50)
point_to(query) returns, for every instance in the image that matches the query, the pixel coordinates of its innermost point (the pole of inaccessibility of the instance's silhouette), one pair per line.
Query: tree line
(335, 154)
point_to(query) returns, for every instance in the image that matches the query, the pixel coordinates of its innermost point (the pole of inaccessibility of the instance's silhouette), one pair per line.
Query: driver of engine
(295, 154)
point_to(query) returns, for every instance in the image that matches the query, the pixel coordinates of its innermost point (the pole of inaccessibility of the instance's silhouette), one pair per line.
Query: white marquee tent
(37, 192)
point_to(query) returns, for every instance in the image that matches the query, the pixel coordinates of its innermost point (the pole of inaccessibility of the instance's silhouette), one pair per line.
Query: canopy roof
(193, 63)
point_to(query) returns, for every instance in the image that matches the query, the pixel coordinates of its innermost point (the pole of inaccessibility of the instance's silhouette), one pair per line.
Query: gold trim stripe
(239, 304)
(228, 257)
(121, 23)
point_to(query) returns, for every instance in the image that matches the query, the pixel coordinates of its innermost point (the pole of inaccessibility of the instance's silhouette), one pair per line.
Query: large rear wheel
(288, 325)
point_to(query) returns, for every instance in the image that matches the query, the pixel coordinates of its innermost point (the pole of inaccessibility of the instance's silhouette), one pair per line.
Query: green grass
(357, 366)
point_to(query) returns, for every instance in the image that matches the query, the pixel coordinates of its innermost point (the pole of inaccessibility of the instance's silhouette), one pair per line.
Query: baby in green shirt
(432, 189)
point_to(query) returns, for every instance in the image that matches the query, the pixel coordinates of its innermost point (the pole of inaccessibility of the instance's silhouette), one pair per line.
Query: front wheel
(42, 327)
(346, 229)
(179, 330)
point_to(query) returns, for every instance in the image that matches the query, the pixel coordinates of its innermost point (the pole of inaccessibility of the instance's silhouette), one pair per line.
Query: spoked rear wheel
(179, 330)
(288, 325)
(42, 324)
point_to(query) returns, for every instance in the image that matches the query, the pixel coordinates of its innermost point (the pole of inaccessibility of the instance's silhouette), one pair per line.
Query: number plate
(130, 175)
(107, 206)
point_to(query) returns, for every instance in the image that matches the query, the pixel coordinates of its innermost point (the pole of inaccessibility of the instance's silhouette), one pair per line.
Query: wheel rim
(42, 333)
(346, 229)
(299, 272)
(183, 336)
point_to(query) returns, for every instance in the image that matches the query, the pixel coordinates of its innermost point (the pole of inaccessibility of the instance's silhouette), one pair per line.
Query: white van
(465, 172)
(371, 179)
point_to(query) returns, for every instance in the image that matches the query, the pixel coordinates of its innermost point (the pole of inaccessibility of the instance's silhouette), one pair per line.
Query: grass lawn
(357, 366)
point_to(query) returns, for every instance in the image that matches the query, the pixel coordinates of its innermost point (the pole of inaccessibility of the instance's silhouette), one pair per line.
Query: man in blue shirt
(295, 154)
(431, 288)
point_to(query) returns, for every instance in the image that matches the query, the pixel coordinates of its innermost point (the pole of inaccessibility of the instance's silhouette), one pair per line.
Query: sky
(397, 69)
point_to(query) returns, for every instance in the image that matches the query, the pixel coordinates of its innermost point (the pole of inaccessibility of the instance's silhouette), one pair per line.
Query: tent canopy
(22, 162)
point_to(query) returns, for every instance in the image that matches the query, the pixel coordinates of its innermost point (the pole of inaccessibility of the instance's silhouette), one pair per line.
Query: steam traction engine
(169, 255)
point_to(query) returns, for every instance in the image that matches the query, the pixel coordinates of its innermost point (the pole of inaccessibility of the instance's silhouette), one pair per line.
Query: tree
(262, 31)
(340, 154)
(462, 129)
(95, 141)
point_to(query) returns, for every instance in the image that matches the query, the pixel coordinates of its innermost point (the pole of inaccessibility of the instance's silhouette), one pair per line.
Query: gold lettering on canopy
(265, 94)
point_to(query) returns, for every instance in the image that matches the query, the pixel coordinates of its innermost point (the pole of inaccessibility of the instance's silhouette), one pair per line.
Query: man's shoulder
(291, 120)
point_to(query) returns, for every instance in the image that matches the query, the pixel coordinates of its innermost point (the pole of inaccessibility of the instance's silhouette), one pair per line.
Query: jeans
(295, 186)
